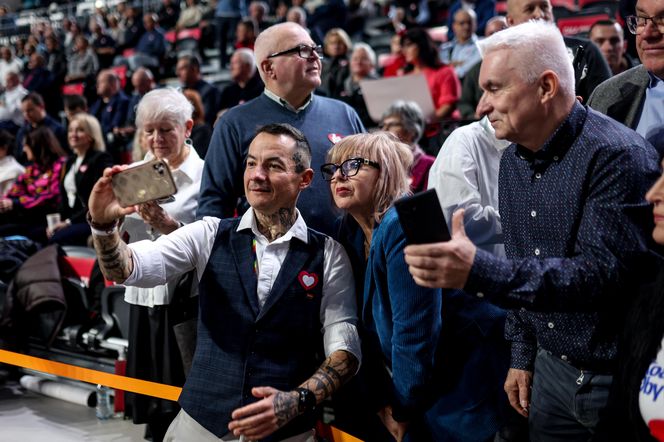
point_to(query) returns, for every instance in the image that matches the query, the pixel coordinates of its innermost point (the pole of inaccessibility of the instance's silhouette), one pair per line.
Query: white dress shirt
(10, 169)
(190, 247)
(188, 182)
(465, 176)
(11, 105)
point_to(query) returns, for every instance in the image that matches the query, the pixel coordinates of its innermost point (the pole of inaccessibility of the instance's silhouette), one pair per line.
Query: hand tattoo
(285, 407)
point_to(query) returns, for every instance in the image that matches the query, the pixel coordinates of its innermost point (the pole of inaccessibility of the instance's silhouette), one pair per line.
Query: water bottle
(104, 409)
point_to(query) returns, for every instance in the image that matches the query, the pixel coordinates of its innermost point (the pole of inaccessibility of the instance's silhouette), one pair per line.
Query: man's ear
(266, 68)
(307, 177)
(548, 86)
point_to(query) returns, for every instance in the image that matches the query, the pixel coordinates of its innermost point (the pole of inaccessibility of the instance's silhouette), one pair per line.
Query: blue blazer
(445, 349)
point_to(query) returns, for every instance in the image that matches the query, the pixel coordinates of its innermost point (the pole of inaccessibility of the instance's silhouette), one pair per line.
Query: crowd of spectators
(553, 228)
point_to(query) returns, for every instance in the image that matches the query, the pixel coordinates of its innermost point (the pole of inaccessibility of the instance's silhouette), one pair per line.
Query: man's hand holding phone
(443, 264)
(103, 205)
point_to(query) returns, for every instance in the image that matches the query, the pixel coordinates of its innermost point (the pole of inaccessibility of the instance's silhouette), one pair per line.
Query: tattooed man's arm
(277, 408)
(115, 258)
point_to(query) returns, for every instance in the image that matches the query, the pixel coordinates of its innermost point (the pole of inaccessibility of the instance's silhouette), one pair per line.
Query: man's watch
(306, 400)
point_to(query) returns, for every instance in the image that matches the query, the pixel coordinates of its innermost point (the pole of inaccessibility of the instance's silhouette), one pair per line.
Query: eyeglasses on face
(303, 51)
(348, 168)
(637, 23)
(387, 125)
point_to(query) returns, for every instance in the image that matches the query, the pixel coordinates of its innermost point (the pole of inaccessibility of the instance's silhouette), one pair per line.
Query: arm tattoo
(285, 407)
(332, 374)
(115, 259)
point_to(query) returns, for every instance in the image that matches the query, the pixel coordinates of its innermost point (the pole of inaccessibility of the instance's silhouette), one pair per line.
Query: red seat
(501, 7)
(170, 36)
(194, 34)
(567, 4)
(78, 267)
(73, 89)
(121, 72)
(579, 24)
(438, 34)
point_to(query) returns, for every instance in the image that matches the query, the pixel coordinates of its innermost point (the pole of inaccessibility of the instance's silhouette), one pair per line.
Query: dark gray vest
(240, 346)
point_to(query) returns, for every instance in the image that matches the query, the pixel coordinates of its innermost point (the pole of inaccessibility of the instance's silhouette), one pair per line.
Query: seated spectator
(151, 47)
(74, 105)
(38, 78)
(80, 173)
(609, 37)
(11, 116)
(34, 113)
(297, 14)
(36, 192)
(188, 70)
(190, 16)
(55, 59)
(143, 82)
(111, 111)
(10, 169)
(246, 84)
(201, 132)
(462, 52)
(83, 63)
(245, 34)
(484, 10)
(258, 12)
(337, 46)
(362, 67)
(8, 62)
(325, 15)
(115, 30)
(405, 120)
(168, 13)
(495, 24)
(103, 44)
(396, 63)
(133, 28)
(421, 54)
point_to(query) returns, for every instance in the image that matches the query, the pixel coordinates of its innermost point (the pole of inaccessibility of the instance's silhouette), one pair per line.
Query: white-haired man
(575, 226)
(247, 84)
(289, 64)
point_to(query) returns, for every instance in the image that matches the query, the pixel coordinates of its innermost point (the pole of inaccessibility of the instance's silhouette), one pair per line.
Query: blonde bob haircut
(92, 128)
(395, 159)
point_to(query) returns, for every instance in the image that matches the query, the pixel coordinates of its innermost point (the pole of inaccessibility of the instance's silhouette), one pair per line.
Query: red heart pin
(334, 138)
(307, 280)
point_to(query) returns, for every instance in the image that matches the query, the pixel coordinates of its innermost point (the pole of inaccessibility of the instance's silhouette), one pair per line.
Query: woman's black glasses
(348, 168)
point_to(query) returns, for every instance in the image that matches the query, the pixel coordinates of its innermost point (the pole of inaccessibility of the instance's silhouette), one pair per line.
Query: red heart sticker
(334, 138)
(307, 280)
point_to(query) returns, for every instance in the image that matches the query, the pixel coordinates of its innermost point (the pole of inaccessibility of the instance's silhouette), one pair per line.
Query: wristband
(99, 229)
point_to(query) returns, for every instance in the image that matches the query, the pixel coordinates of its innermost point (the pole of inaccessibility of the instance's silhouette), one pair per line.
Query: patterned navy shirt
(577, 230)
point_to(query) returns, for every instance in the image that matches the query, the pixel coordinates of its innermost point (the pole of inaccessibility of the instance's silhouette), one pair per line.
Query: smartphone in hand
(142, 183)
(422, 219)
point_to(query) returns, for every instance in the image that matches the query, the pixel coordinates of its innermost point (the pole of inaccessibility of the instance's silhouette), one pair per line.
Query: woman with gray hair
(362, 67)
(405, 120)
(164, 118)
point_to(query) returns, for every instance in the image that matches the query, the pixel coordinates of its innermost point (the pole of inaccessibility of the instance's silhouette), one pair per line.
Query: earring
(188, 142)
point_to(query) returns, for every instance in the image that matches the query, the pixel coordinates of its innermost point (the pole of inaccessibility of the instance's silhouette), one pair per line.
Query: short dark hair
(602, 22)
(192, 59)
(302, 155)
(35, 98)
(6, 141)
(75, 102)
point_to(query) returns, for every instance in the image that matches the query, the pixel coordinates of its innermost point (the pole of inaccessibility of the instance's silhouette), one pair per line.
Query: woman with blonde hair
(336, 65)
(420, 374)
(82, 170)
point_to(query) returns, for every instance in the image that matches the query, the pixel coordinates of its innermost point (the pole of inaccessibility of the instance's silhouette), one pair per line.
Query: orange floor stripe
(92, 376)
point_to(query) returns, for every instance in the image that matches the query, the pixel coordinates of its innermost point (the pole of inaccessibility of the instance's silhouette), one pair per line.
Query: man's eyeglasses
(303, 51)
(636, 23)
(348, 168)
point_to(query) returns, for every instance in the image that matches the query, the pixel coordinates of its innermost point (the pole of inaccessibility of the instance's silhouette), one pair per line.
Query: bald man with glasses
(636, 97)
(289, 63)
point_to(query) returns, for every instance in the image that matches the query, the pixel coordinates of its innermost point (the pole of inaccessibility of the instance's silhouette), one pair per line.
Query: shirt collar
(276, 98)
(298, 229)
(654, 81)
(559, 142)
(499, 145)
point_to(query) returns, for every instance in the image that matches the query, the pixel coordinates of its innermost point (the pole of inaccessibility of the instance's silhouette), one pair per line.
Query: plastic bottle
(104, 409)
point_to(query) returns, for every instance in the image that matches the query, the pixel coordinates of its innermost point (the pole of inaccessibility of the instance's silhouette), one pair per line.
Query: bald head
(521, 11)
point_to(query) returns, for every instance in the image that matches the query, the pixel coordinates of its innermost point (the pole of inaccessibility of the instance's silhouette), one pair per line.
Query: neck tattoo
(275, 225)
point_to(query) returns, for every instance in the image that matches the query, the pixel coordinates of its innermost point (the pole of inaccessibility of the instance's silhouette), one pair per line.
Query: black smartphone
(422, 219)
